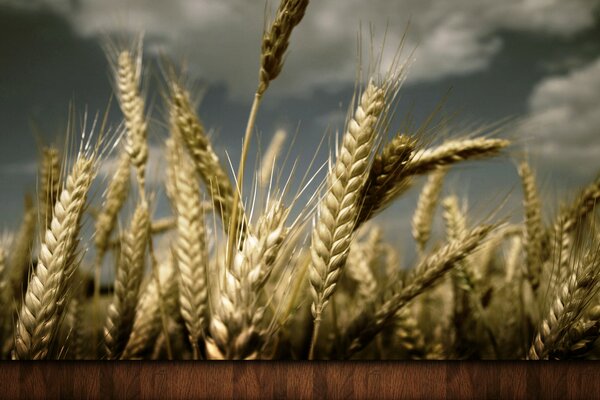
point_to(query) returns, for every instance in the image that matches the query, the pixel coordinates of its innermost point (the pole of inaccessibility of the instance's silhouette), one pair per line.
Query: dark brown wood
(299, 380)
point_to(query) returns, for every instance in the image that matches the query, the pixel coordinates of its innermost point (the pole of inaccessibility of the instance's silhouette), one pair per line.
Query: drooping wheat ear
(366, 326)
(276, 40)
(190, 248)
(386, 180)
(534, 229)
(121, 311)
(129, 76)
(339, 208)
(571, 298)
(20, 254)
(147, 324)
(267, 165)
(235, 331)
(39, 316)
(49, 185)
(451, 152)
(425, 211)
(186, 125)
(116, 194)
(569, 218)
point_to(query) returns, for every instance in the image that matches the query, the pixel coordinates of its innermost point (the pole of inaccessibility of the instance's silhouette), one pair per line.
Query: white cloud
(564, 118)
(221, 38)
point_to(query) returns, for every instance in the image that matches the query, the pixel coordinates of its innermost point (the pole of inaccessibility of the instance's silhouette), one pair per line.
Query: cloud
(221, 38)
(564, 118)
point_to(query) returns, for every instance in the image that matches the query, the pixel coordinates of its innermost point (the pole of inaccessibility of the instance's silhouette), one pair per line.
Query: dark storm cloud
(497, 56)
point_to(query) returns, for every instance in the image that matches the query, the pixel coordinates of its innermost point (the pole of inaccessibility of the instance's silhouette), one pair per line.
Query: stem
(233, 223)
(315, 336)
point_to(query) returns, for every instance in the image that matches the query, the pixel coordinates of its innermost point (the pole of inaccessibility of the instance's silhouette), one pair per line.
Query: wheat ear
(340, 206)
(132, 104)
(581, 335)
(534, 229)
(187, 126)
(366, 326)
(39, 316)
(568, 305)
(425, 211)
(386, 181)
(49, 185)
(20, 256)
(190, 248)
(116, 194)
(274, 44)
(147, 324)
(569, 218)
(451, 152)
(234, 327)
(121, 311)
(276, 40)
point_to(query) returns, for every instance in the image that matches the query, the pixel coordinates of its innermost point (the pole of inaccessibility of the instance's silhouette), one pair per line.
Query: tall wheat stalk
(341, 205)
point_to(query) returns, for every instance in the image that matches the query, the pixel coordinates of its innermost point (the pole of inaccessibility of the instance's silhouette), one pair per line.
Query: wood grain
(299, 380)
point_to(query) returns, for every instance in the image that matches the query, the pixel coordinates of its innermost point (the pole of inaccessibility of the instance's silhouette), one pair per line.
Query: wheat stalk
(274, 44)
(39, 315)
(147, 324)
(190, 248)
(20, 255)
(132, 104)
(49, 186)
(425, 211)
(341, 204)
(187, 126)
(534, 229)
(121, 311)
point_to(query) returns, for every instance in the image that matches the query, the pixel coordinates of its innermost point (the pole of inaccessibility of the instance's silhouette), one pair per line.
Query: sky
(532, 61)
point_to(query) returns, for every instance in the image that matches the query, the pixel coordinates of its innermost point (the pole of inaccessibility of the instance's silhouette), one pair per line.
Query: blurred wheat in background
(261, 265)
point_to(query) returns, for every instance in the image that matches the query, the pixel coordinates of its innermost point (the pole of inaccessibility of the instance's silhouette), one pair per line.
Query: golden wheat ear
(40, 313)
(121, 311)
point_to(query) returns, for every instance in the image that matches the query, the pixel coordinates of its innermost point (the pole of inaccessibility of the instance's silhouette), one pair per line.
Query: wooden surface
(299, 380)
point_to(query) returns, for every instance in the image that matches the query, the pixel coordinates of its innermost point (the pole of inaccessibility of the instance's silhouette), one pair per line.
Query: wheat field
(267, 271)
